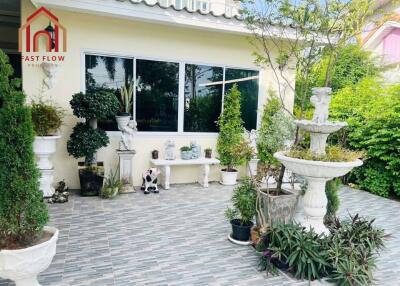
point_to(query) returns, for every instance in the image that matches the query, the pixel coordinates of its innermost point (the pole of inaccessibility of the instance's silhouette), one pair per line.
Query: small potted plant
(126, 101)
(208, 152)
(47, 120)
(230, 137)
(86, 138)
(186, 153)
(154, 154)
(243, 211)
(27, 246)
(111, 187)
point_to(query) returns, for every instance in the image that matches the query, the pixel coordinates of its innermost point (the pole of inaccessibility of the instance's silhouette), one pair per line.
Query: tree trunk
(280, 178)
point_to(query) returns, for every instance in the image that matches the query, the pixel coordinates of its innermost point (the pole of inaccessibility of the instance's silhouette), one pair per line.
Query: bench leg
(167, 175)
(206, 173)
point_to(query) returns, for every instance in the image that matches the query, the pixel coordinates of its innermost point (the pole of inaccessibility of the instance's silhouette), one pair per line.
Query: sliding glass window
(203, 98)
(247, 82)
(108, 73)
(157, 95)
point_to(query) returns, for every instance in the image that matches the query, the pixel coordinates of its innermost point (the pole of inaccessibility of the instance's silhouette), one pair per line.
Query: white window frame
(181, 88)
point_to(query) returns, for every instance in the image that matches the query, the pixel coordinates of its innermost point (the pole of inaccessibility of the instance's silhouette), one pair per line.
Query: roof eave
(154, 14)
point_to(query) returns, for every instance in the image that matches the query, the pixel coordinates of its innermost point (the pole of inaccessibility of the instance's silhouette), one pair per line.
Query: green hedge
(373, 114)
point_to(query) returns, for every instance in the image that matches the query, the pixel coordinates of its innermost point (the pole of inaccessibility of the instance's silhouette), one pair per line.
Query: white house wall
(142, 39)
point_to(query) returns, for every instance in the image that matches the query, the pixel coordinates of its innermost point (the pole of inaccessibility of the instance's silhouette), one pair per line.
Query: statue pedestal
(126, 170)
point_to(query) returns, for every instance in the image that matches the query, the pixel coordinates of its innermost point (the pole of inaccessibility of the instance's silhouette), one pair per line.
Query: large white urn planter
(23, 265)
(44, 147)
(228, 178)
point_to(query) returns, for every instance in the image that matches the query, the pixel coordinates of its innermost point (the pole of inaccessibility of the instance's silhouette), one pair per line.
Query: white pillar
(126, 169)
(314, 202)
(252, 167)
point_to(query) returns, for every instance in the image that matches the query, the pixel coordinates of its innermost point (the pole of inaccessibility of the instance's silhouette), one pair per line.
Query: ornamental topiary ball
(23, 214)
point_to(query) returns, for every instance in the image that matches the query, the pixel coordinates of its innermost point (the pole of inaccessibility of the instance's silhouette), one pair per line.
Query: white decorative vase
(228, 178)
(23, 265)
(252, 167)
(44, 147)
(122, 121)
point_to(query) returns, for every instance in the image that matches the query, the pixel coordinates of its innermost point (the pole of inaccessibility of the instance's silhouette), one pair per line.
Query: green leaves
(244, 202)
(85, 141)
(22, 210)
(46, 118)
(231, 130)
(96, 103)
(373, 114)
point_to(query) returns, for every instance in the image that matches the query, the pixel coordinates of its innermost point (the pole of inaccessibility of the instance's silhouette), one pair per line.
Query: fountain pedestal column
(314, 203)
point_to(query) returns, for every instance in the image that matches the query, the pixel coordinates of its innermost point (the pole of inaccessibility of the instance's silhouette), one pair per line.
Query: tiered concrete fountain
(317, 173)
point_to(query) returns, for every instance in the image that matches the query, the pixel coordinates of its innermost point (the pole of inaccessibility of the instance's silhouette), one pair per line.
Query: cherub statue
(128, 133)
(320, 100)
(169, 150)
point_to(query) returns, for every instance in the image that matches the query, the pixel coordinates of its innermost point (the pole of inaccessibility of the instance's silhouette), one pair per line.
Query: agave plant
(126, 97)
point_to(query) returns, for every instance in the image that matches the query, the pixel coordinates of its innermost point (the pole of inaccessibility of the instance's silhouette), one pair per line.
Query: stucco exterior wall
(119, 36)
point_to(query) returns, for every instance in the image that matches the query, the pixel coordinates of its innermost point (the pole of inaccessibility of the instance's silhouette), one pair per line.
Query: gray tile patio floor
(179, 237)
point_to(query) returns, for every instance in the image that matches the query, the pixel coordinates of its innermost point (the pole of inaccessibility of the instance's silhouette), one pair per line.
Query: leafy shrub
(275, 131)
(23, 213)
(111, 183)
(46, 118)
(346, 256)
(244, 202)
(231, 131)
(333, 154)
(99, 104)
(331, 191)
(86, 138)
(373, 114)
(85, 141)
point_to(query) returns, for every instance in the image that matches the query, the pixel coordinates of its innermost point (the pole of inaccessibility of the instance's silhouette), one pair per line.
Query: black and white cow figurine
(149, 182)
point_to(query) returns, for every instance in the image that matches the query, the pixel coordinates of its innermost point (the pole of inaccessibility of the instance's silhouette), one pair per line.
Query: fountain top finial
(320, 100)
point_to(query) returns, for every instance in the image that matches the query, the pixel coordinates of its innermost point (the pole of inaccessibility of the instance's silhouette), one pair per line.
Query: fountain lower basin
(317, 173)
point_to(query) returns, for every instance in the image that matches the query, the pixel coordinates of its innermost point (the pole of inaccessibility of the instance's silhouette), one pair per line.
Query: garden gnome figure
(128, 133)
(320, 100)
(169, 150)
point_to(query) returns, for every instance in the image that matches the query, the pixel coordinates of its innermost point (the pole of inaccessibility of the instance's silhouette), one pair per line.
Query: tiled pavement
(178, 237)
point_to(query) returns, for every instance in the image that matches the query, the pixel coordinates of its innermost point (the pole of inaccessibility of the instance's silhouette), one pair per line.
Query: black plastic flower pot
(91, 183)
(240, 232)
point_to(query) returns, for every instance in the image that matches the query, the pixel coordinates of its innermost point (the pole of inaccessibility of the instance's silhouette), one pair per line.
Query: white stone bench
(165, 166)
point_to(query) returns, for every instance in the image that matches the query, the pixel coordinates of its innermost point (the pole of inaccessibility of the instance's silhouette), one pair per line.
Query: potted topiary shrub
(244, 209)
(111, 186)
(27, 246)
(126, 101)
(47, 120)
(230, 137)
(275, 204)
(186, 153)
(86, 138)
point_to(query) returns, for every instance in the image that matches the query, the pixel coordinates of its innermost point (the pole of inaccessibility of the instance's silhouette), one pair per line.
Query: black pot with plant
(154, 154)
(243, 211)
(86, 138)
(208, 153)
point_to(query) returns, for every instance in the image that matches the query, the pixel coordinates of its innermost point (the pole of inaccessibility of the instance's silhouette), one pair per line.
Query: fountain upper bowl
(317, 169)
(325, 127)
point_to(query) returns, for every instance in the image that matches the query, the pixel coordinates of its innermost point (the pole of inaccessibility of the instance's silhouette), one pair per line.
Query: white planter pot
(44, 147)
(23, 265)
(122, 121)
(228, 178)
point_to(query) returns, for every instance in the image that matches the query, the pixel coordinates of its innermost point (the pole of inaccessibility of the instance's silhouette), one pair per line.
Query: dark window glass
(108, 73)
(249, 91)
(203, 96)
(157, 95)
